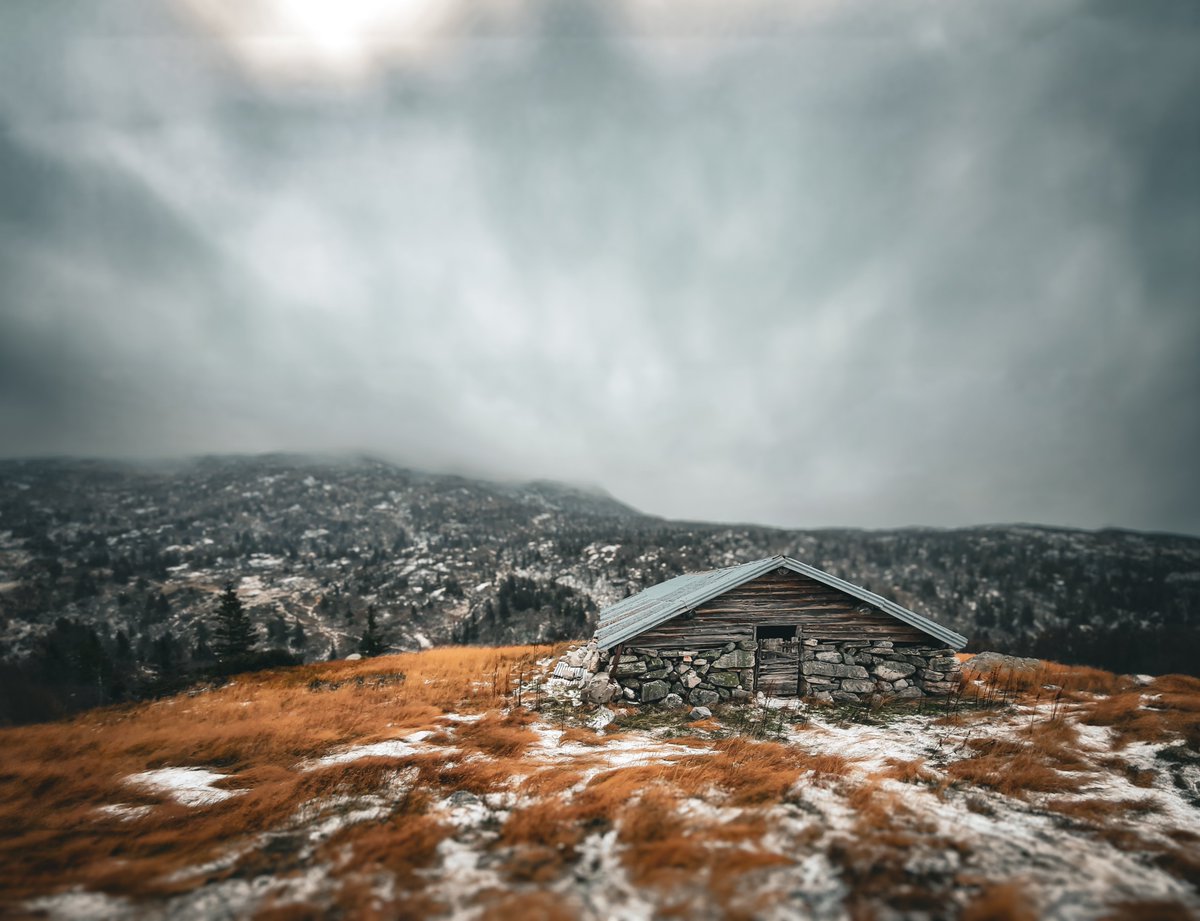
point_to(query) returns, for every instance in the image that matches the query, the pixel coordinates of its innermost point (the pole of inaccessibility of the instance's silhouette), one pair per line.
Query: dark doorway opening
(777, 672)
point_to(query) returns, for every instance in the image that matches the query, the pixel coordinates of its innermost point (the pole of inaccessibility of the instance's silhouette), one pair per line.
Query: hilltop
(459, 783)
(109, 573)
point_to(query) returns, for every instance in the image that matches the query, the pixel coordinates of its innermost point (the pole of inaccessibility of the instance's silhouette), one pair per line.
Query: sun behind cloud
(341, 39)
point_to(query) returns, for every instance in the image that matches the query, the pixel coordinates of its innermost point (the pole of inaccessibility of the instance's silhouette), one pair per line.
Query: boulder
(858, 686)
(823, 697)
(634, 667)
(738, 658)
(699, 713)
(690, 680)
(702, 698)
(723, 679)
(654, 690)
(831, 670)
(909, 692)
(828, 657)
(672, 700)
(600, 690)
(844, 696)
(893, 671)
(951, 664)
(653, 674)
(628, 693)
(740, 694)
(986, 661)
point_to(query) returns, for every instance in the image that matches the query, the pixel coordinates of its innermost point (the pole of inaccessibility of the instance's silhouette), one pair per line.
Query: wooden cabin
(775, 625)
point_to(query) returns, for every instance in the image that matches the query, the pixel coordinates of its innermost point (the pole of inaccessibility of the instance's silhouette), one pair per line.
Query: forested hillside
(110, 574)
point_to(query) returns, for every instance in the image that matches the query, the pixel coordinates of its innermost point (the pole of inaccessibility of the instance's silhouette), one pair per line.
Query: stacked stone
(852, 671)
(701, 677)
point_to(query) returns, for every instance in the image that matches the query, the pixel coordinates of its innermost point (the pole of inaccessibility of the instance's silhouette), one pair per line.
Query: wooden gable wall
(780, 597)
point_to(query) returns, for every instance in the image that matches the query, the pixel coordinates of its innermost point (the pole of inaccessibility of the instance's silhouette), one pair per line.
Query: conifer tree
(372, 643)
(234, 635)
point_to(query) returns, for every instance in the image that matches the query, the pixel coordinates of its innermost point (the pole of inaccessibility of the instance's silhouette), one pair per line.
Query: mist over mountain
(110, 573)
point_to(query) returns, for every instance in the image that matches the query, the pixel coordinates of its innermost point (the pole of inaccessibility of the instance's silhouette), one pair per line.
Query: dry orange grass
(259, 729)
(1044, 758)
(402, 844)
(543, 837)
(1101, 811)
(1000, 902)
(498, 735)
(1169, 706)
(874, 857)
(908, 771)
(671, 853)
(1151, 910)
(528, 906)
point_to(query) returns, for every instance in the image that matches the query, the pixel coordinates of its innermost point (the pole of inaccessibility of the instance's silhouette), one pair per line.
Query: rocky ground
(469, 783)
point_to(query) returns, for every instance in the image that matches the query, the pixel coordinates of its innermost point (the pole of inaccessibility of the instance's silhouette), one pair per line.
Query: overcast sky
(806, 263)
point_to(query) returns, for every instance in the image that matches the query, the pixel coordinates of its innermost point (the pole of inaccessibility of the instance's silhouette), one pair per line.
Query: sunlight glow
(343, 38)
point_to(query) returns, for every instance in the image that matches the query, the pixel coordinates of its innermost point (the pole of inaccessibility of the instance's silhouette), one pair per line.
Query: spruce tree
(234, 634)
(371, 644)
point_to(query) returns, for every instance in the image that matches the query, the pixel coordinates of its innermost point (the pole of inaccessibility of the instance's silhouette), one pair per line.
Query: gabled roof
(659, 603)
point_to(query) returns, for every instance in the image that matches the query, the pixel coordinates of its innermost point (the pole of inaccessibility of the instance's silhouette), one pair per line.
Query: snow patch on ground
(391, 748)
(187, 785)
(125, 812)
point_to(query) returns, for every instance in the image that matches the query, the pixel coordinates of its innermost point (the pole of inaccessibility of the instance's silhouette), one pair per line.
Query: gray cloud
(806, 264)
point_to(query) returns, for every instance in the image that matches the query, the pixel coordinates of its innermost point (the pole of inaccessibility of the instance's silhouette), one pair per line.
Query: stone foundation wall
(702, 677)
(854, 671)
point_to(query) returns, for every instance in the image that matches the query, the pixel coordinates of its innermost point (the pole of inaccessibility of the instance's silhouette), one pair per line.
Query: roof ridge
(652, 606)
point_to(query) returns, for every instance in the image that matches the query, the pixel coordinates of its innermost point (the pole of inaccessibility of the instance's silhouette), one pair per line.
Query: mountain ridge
(137, 556)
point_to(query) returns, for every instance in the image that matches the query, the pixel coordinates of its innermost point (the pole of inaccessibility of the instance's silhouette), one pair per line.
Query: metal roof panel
(659, 603)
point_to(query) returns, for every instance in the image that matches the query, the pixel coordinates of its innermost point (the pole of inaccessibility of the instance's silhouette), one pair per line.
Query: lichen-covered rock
(986, 661)
(600, 690)
(737, 658)
(723, 679)
(831, 670)
(858, 686)
(672, 700)
(703, 698)
(629, 667)
(893, 671)
(654, 690)
(699, 713)
(828, 657)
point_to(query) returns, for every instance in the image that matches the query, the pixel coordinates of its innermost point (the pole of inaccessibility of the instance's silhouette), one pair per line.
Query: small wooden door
(777, 673)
